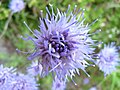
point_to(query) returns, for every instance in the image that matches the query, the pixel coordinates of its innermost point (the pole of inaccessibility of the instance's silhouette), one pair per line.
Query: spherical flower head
(93, 88)
(5, 77)
(86, 81)
(16, 5)
(58, 85)
(23, 82)
(62, 44)
(9, 80)
(108, 59)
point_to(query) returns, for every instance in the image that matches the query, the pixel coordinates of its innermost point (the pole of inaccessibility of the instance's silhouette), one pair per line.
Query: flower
(62, 45)
(93, 88)
(58, 85)
(108, 59)
(5, 77)
(23, 82)
(35, 69)
(86, 81)
(16, 5)
(10, 80)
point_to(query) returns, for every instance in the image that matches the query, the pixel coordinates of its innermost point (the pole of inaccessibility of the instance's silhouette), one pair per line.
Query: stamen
(71, 24)
(28, 27)
(75, 8)
(55, 67)
(68, 8)
(48, 11)
(19, 51)
(41, 14)
(74, 82)
(58, 12)
(93, 22)
(52, 9)
(55, 55)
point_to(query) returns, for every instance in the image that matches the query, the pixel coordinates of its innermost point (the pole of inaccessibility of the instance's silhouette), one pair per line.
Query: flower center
(60, 44)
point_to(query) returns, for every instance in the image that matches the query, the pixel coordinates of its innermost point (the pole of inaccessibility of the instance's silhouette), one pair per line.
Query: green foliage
(14, 60)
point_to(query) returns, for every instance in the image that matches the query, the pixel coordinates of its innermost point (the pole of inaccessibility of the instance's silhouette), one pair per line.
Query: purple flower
(62, 44)
(23, 82)
(5, 77)
(16, 5)
(93, 88)
(86, 81)
(35, 69)
(9, 80)
(58, 85)
(108, 59)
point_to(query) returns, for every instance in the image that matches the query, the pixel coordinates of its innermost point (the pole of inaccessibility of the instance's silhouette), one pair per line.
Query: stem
(113, 81)
(6, 25)
(103, 81)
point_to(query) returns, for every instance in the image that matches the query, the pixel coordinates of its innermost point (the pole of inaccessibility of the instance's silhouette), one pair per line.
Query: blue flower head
(108, 59)
(86, 81)
(23, 82)
(62, 45)
(93, 88)
(10, 80)
(5, 77)
(16, 5)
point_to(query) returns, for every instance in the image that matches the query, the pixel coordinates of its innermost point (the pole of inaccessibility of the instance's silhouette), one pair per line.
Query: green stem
(113, 81)
(103, 81)
(6, 25)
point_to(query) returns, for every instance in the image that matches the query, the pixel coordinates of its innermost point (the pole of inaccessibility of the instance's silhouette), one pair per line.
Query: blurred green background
(108, 13)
